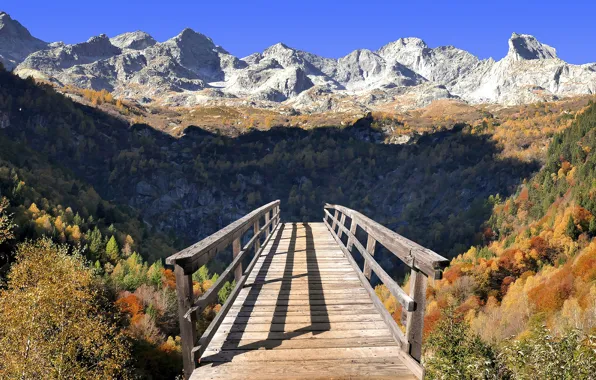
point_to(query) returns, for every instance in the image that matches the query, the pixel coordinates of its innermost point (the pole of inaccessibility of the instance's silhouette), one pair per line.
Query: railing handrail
(412, 254)
(189, 260)
(217, 241)
(423, 263)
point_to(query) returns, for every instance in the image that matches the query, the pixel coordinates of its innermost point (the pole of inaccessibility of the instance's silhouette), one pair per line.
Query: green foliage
(112, 249)
(541, 355)
(570, 228)
(225, 291)
(201, 275)
(154, 274)
(457, 353)
(130, 273)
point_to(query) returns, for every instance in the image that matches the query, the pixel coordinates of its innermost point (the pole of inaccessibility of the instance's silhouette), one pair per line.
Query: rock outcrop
(191, 69)
(16, 42)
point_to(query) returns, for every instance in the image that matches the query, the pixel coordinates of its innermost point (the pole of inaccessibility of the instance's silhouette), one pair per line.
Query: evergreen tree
(571, 229)
(96, 243)
(112, 249)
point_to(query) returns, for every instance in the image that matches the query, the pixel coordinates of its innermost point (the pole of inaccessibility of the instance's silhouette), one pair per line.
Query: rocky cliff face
(189, 68)
(16, 42)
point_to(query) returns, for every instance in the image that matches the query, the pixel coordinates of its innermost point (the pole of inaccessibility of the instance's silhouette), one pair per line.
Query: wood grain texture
(302, 313)
(411, 253)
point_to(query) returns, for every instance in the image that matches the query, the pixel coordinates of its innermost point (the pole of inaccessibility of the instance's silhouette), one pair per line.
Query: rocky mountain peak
(527, 47)
(188, 38)
(412, 42)
(407, 71)
(278, 47)
(15, 41)
(133, 40)
(12, 29)
(96, 46)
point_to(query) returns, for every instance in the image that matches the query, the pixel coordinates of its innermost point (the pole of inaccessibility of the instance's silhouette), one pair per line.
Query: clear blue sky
(328, 28)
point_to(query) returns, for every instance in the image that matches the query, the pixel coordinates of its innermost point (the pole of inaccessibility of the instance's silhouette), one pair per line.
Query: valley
(119, 151)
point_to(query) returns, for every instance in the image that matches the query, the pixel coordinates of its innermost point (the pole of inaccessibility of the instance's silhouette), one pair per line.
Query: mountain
(191, 69)
(16, 42)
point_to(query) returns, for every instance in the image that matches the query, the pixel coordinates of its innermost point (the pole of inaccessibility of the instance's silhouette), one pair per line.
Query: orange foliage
(170, 278)
(549, 295)
(132, 306)
(584, 266)
(471, 303)
(453, 273)
(430, 320)
(505, 284)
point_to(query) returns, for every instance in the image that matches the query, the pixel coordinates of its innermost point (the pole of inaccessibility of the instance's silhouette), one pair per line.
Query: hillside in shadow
(434, 191)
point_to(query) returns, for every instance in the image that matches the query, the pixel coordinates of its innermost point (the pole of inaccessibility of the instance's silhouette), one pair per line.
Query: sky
(328, 28)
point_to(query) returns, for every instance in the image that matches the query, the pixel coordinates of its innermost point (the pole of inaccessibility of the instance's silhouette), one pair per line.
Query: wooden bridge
(303, 308)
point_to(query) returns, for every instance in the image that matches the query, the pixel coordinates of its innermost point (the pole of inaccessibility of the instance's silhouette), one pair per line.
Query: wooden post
(415, 320)
(235, 251)
(188, 331)
(342, 221)
(268, 229)
(353, 227)
(335, 215)
(370, 248)
(256, 229)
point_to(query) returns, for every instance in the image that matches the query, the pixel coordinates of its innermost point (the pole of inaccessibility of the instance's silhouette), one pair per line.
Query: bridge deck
(302, 314)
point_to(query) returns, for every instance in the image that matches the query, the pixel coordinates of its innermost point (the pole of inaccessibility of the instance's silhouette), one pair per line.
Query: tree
(55, 322)
(570, 228)
(112, 249)
(6, 224)
(96, 244)
(457, 353)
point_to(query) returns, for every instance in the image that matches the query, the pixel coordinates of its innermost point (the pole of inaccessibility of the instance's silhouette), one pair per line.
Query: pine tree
(571, 229)
(96, 243)
(112, 249)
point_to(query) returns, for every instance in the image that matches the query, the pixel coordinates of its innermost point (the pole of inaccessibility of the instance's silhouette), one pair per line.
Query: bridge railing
(190, 259)
(423, 263)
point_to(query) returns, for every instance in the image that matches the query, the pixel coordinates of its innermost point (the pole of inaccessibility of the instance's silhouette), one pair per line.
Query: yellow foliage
(52, 325)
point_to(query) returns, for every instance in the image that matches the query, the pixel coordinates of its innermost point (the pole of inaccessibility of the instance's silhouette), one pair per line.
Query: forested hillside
(189, 187)
(91, 200)
(523, 305)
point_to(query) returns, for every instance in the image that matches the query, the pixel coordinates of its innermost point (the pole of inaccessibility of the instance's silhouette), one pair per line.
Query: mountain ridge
(190, 69)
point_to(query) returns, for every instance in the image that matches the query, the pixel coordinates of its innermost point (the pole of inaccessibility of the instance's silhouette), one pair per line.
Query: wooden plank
(304, 335)
(415, 319)
(302, 354)
(281, 319)
(188, 332)
(294, 297)
(289, 344)
(370, 249)
(399, 336)
(411, 253)
(216, 322)
(406, 301)
(369, 368)
(211, 295)
(235, 252)
(340, 309)
(314, 308)
(257, 231)
(397, 333)
(305, 302)
(301, 291)
(292, 327)
(319, 286)
(193, 257)
(303, 311)
(342, 221)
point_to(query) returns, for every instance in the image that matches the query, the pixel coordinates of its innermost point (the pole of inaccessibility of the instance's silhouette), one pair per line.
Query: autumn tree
(55, 322)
